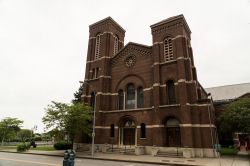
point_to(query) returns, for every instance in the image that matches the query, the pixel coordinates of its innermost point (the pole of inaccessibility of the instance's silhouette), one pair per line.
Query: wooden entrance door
(173, 137)
(128, 136)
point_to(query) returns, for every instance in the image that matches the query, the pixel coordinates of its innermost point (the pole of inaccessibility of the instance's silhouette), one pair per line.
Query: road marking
(33, 162)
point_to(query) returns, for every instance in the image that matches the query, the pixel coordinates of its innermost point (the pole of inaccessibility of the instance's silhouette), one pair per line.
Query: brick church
(148, 96)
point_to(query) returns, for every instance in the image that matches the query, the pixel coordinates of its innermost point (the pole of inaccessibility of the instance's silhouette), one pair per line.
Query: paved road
(15, 159)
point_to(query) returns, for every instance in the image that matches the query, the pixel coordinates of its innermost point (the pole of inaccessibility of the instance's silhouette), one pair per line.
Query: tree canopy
(236, 117)
(77, 95)
(68, 118)
(24, 134)
(9, 127)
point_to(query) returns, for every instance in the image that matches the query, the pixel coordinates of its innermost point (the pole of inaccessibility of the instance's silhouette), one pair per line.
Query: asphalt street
(15, 159)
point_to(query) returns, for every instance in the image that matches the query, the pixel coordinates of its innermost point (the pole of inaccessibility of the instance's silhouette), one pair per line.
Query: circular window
(130, 61)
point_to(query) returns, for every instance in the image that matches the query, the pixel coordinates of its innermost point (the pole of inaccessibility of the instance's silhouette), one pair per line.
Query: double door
(173, 137)
(128, 136)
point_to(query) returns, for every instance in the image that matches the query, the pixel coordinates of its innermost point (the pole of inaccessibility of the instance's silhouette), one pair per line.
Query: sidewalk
(148, 159)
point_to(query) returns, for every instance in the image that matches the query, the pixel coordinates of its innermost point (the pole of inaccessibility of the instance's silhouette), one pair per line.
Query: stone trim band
(160, 126)
(145, 89)
(176, 37)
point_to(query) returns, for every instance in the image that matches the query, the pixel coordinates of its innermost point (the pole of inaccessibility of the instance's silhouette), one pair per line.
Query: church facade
(148, 96)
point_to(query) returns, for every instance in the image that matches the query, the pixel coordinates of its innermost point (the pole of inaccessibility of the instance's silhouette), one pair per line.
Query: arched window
(171, 92)
(140, 97)
(120, 99)
(112, 130)
(168, 49)
(129, 124)
(130, 103)
(143, 130)
(97, 46)
(116, 44)
(92, 100)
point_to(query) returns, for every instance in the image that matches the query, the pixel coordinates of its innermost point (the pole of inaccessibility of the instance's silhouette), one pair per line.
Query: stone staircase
(171, 153)
(123, 150)
(83, 148)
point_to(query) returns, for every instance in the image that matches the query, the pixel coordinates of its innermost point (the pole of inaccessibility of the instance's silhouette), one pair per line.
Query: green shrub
(23, 147)
(228, 151)
(62, 145)
(38, 139)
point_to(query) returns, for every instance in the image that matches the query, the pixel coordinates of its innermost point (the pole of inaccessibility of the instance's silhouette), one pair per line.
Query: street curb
(107, 159)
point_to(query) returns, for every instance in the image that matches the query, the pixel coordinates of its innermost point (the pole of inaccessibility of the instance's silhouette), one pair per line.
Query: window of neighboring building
(130, 102)
(112, 130)
(171, 92)
(97, 46)
(120, 99)
(140, 97)
(168, 49)
(116, 44)
(143, 130)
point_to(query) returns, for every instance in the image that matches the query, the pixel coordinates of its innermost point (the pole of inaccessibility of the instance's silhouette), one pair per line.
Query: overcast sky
(43, 45)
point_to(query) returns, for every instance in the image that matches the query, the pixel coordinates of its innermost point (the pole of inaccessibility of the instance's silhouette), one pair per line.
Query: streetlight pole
(93, 130)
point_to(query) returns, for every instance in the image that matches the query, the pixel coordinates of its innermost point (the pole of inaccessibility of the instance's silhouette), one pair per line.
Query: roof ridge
(129, 43)
(137, 44)
(228, 85)
(170, 19)
(107, 18)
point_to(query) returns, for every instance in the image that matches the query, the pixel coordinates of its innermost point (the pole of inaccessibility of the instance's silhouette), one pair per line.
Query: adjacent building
(222, 97)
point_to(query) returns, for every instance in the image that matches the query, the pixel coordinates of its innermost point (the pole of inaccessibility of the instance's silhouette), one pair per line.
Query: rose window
(130, 61)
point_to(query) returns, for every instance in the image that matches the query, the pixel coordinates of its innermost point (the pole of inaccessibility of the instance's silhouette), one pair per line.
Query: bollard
(66, 158)
(72, 158)
(69, 158)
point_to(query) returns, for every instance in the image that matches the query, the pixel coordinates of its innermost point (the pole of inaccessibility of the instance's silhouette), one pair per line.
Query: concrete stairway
(122, 150)
(169, 154)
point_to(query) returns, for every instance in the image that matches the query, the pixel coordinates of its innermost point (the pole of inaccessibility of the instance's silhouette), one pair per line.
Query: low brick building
(223, 96)
(148, 96)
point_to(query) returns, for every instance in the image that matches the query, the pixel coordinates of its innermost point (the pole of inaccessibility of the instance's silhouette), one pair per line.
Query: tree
(78, 120)
(24, 134)
(68, 118)
(56, 134)
(77, 95)
(236, 117)
(55, 115)
(9, 127)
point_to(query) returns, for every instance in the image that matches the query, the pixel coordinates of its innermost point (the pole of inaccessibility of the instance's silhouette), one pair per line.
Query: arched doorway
(173, 133)
(127, 133)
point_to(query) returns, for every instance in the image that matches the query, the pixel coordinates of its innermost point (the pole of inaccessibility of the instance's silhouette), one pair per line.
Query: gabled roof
(229, 92)
(107, 19)
(143, 49)
(131, 44)
(170, 19)
(136, 44)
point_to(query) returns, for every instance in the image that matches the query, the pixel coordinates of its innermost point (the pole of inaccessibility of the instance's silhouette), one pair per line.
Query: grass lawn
(43, 148)
(228, 151)
(8, 147)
